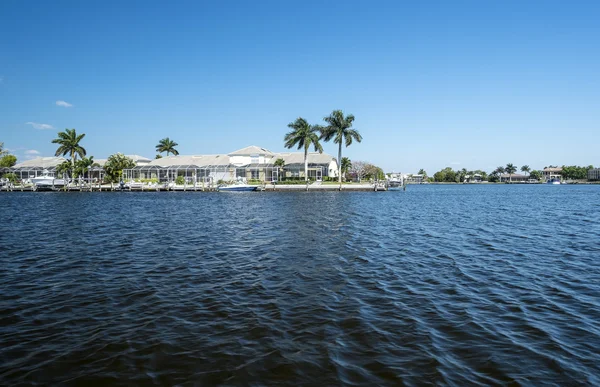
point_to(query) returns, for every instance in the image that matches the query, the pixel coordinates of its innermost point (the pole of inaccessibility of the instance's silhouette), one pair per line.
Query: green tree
(537, 175)
(373, 172)
(81, 166)
(574, 172)
(8, 161)
(346, 165)
(339, 129)
(68, 142)
(510, 169)
(280, 164)
(525, 169)
(115, 164)
(423, 173)
(158, 156)
(167, 145)
(446, 175)
(11, 177)
(64, 169)
(304, 135)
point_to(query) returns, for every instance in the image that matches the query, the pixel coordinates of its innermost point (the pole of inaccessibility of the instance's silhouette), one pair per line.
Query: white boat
(47, 181)
(553, 181)
(395, 182)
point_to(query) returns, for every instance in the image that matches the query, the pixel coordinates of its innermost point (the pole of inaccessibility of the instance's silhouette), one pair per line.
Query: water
(450, 285)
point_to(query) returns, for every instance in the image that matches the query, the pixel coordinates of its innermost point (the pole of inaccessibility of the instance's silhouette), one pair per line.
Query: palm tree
(339, 129)
(510, 169)
(69, 144)
(2, 151)
(304, 135)
(280, 164)
(84, 165)
(167, 145)
(114, 166)
(346, 165)
(526, 169)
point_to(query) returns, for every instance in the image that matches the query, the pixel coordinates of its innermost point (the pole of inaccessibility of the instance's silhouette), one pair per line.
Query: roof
(192, 160)
(558, 169)
(136, 158)
(41, 162)
(513, 175)
(298, 158)
(139, 159)
(251, 150)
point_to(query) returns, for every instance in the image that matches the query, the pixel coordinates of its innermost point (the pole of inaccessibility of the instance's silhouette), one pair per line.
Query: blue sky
(432, 83)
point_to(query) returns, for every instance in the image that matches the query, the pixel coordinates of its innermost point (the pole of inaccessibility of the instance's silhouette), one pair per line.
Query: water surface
(450, 285)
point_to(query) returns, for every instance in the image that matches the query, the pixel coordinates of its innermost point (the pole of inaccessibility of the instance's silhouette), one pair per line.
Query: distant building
(414, 179)
(476, 178)
(514, 178)
(594, 174)
(552, 173)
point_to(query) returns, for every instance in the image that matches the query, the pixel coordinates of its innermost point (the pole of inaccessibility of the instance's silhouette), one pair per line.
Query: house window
(254, 159)
(255, 174)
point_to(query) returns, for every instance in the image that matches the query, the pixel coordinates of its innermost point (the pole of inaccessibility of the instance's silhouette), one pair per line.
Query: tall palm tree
(526, 169)
(69, 144)
(167, 145)
(346, 165)
(339, 129)
(510, 169)
(304, 135)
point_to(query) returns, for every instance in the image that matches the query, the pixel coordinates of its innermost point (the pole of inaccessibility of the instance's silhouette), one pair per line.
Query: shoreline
(268, 187)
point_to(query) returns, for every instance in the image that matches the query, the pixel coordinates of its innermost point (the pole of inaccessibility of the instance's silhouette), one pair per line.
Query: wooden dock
(178, 188)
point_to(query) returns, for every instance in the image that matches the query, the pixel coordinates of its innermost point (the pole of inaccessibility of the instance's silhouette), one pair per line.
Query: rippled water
(448, 285)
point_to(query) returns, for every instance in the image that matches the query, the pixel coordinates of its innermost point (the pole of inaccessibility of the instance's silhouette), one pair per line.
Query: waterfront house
(413, 178)
(475, 178)
(249, 163)
(514, 178)
(37, 167)
(594, 174)
(552, 173)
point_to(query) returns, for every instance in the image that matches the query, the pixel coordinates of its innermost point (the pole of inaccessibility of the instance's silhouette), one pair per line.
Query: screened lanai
(37, 167)
(262, 172)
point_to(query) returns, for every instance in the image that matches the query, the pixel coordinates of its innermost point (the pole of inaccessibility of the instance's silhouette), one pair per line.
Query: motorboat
(553, 181)
(238, 187)
(395, 182)
(47, 181)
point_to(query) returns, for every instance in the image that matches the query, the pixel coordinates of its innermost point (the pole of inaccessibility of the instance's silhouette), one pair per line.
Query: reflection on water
(438, 284)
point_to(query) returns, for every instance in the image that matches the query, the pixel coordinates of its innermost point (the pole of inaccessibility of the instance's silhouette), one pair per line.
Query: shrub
(180, 180)
(11, 177)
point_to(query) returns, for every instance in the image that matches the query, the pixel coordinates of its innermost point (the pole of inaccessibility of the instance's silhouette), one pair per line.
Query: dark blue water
(451, 285)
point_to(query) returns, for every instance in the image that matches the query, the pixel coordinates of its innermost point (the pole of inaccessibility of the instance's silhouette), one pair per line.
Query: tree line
(448, 175)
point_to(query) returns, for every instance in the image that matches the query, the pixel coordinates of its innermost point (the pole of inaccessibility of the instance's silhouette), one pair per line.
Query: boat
(395, 182)
(237, 187)
(553, 181)
(47, 181)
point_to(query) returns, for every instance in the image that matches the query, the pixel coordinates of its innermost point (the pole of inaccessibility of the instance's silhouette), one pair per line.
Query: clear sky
(472, 84)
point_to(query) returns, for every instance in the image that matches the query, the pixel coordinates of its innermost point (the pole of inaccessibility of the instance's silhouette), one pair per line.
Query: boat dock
(198, 188)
